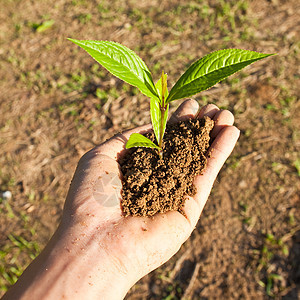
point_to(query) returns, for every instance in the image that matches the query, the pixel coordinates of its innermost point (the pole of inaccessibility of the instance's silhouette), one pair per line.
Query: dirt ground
(56, 103)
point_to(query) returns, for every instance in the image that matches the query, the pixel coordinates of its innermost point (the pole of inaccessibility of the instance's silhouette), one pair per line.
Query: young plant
(201, 75)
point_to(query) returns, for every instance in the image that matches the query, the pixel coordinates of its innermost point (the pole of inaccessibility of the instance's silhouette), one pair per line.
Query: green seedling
(201, 75)
(41, 27)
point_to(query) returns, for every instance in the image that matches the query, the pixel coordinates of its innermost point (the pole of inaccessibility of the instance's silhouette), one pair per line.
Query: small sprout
(296, 164)
(40, 27)
(201, 75)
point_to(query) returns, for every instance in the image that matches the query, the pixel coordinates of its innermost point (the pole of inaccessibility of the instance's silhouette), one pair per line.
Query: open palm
(140, 244)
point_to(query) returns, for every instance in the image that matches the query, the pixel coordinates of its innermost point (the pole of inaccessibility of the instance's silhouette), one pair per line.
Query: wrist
(73, 267)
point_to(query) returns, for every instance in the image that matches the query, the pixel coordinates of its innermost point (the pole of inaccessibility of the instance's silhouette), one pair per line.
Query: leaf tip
(72, 40)
(127, 145)
(268, 54)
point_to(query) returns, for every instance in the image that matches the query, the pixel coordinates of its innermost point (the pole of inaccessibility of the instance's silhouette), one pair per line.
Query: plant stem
(162, 112)
(161, 129)
(163, 108)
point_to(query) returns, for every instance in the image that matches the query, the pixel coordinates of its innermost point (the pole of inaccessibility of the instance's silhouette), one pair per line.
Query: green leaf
(211, 69)
(155, 111)
(138, 140)
(121, 62)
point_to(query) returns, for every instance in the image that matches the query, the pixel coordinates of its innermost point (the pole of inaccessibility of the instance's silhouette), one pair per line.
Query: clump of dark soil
(152, 185)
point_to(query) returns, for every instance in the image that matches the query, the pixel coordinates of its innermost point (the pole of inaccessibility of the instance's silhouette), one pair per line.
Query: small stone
(6, 195)
(243, 184)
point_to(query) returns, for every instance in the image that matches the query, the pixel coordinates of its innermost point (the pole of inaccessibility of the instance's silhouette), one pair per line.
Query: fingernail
(208, 110)
(190, 106)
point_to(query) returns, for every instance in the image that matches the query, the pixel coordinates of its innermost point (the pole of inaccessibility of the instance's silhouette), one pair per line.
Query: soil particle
(152, 185)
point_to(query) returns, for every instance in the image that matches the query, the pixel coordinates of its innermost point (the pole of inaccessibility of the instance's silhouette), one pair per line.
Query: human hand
(138, 245)
(106, 252)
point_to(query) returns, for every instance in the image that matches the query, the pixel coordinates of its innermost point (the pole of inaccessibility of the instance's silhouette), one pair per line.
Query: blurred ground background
(56, 103)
